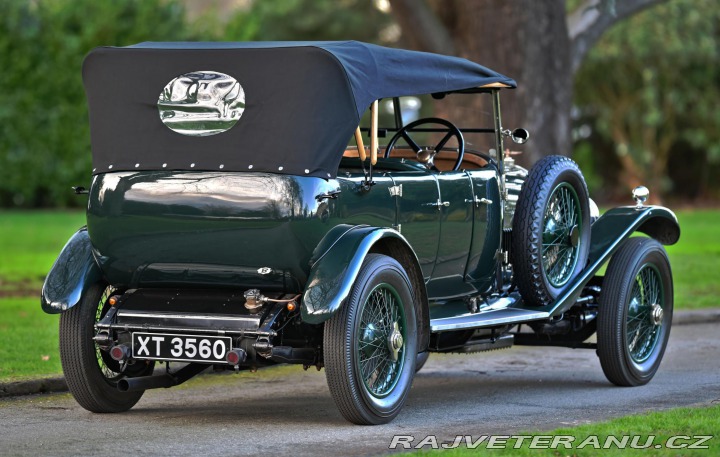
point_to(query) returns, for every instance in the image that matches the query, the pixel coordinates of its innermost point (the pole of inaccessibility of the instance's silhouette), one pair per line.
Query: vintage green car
(230, 224)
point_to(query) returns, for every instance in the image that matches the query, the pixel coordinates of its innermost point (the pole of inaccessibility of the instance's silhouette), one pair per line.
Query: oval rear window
(201, 103)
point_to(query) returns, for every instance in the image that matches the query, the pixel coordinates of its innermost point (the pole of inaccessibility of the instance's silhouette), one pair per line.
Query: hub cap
(395, 342)
(381, 340)
(645, 314)
(562, 226)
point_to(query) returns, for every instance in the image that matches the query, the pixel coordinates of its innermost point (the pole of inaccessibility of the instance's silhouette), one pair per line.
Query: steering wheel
(426, 156)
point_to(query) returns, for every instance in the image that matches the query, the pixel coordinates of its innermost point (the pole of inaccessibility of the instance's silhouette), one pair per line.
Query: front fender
(335, 266)
(608, 233)
(73, 272)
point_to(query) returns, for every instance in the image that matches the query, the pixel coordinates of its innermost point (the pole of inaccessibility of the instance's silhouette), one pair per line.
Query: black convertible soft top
(302, 101)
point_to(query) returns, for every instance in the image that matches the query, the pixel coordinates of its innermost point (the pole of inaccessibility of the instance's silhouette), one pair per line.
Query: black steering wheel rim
(452, 131)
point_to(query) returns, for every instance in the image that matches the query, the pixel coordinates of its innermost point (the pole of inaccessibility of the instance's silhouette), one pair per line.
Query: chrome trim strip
(142, 314)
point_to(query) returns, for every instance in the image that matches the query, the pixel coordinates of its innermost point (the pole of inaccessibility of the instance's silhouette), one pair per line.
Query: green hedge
(44, 131)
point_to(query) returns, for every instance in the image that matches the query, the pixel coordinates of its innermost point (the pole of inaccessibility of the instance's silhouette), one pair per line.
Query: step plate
(490, 318)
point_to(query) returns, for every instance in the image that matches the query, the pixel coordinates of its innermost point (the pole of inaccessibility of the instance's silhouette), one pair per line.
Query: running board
(489, 318)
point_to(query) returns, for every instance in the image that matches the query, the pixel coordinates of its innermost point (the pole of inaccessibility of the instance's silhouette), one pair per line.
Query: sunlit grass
(689, 422)
(28, 339)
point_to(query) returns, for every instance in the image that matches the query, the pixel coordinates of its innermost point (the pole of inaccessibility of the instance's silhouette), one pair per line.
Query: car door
(455, 207)
(486, 236)
(418, 217)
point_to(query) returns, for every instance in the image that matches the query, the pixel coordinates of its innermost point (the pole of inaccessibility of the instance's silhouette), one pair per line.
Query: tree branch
(592, 18)
(421, 26)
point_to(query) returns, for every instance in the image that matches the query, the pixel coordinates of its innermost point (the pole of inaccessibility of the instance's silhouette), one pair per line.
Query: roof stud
(164, 165)
(222, 166)
(307, 171)
(137, 165)
(250, 167)
(280, 168)
(192, 165)
(110, 166)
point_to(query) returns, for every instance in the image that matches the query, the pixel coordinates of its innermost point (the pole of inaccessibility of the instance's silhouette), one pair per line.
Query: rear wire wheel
(370, 344)
(635, 314)
(91, 373)
(551, 230)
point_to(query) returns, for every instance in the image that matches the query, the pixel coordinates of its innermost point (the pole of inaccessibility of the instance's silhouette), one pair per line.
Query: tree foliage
(651, 84)
(647, 90)
(308, 20)
(44, 131)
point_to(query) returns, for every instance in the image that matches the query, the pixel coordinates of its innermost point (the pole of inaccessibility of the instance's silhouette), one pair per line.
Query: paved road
(286, 411)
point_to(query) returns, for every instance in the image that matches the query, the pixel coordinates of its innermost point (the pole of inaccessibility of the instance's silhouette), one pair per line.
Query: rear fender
(608, 233)
(336, 264)
(73, 272)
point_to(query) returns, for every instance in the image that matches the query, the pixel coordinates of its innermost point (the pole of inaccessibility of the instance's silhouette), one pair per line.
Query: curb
(33, 386)
(697, 316)
(58, 384)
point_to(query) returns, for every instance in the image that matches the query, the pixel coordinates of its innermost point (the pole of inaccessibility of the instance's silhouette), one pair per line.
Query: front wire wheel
(91, 374)
(635, 314)
(370, 345)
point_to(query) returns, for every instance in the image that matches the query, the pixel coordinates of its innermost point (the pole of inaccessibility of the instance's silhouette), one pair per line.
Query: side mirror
(520, 136)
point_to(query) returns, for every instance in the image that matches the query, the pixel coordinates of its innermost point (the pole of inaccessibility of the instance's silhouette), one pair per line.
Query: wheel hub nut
(395, 341)
(657, 314)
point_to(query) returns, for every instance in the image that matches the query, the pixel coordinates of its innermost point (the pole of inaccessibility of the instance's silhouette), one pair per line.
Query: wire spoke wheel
(644, 316)
(90, 372)
(550, 230)
(110, 368)
(380, 339)
(561, 226)
(370, 344)
(635, 313)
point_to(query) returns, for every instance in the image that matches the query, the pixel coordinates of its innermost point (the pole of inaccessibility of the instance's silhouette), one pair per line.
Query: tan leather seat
(444, 161)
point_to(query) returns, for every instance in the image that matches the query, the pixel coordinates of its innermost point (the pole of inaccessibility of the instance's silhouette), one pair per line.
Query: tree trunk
(524, 39)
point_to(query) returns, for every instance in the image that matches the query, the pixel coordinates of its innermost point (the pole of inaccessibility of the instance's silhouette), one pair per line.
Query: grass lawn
(695, 260)
(30, 242)
(28, 339)
(691, 422)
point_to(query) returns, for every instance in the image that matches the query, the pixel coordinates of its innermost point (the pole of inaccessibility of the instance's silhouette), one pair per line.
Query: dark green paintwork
(487, 230)
(72, 273)
(213, 229)
(456, 227)
(335, 270)
(210, 229)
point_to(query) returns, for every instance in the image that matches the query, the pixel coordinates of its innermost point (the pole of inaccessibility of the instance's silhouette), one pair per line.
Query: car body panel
(160, 229)
(456, 230)
(487, 229)
(72, 273)
(335, 270)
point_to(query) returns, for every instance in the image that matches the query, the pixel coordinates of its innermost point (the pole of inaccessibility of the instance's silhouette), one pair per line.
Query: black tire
(625, 307)
(552, 180)
(420, 360)
(344, 353)
(91, 374)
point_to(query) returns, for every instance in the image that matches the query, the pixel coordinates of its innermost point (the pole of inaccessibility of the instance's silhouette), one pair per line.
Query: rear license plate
(185, 348)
